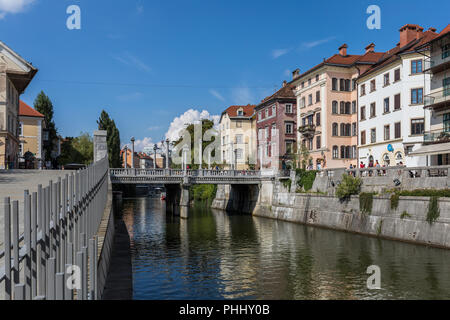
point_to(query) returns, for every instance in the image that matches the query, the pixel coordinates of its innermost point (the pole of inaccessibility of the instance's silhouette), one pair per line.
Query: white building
(391, 103)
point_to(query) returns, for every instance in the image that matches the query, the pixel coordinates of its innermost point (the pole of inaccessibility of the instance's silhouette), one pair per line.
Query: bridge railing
(397, 171)
(182, 173)
(59, 241)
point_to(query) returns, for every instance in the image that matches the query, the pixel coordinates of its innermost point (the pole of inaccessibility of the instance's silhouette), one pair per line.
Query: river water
(214, 255)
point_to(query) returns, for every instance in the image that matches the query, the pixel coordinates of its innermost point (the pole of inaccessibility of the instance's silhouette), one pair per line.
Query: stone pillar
(100, 145)
(184, 202)
(167, 154)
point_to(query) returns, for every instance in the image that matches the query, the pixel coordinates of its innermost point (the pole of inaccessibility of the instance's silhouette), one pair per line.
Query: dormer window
(240, 112)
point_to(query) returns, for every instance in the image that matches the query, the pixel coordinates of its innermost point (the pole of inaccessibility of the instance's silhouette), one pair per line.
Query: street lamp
(132, 152)
(155, 147)
(167, 153)
(126, 157)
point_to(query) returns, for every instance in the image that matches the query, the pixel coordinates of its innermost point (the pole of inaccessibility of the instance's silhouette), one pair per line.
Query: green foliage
(44, 105)
(394, 200)
(203, 192)
(78, 150)
(366, 202)
(287, 184)
(305, 178)
(404, 215)
(304, 156)
(426, 193)
(113, 139)
(349, 186)
(433, 210)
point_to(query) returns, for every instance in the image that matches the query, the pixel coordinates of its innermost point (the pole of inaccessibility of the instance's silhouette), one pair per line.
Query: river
(215, 255)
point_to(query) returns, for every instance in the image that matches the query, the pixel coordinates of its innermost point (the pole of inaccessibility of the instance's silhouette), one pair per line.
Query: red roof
(26, 110)
(248, 111)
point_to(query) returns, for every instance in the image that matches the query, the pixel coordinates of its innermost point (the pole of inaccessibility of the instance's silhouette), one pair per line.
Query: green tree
(44, 105)
(78, 150)
(305, 159)
(113, 139)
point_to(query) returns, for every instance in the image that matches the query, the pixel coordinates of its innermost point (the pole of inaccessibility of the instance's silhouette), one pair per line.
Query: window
(274, 110)
(386, 79)
(239, 139)
(341, 84)
(386, 105)
(302, 103)
(269, 112)
(335, 152)
(416, 96)
(373, 86)
(260, 115)
(387, 132)
(310, 100)
(373, 135)
(397, 75)
(343, 130)
(353, 84)
(274, 130)
(289, 128)
(398, 130)
(416, 66)
(363, 113)
(317, 96)
(334, 131)
(408, 150)
(373, 110)
(20, 129)
(21, 149)
(334, 109)
(446, 51)
(289, 147)
(317, 77)
(354, 128)
(363, 90)
(397, 102)
(353, 107)
(446, 122)
(239, 153)
(309, 82)
(353, 152)
(289, 108)
(334, 84)
(342, 108)
(239, 124)
(318, 119)
(347, 108)
(363, 137)
(347, 85)
(303, 84)
(398, 156)
(446, 86)
(310, 144)
(266, 132)
(386, 160)
(240, 112)
(417, 126)
(318, 143)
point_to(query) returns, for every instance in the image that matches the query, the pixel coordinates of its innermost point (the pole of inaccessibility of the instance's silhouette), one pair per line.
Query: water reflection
(215, 256)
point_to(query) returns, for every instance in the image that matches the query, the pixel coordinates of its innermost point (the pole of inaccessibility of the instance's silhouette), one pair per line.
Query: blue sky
(148, 62)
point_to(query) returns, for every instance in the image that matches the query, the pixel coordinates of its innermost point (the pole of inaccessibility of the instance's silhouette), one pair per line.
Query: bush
(349, 186)
(305, 178)
(394, 200)
(366, 202)
(404, 215)
(433, 210)
(287, 184)
(426, 193)
(203, 192)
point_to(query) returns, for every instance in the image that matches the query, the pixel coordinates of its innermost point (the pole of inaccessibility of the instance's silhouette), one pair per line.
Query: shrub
(305, 178)
(287, 184)
(394, 200)
(426, 193)
(405, 215)
(366, 202)
(203, 192)
(433, 210)
(349, 186)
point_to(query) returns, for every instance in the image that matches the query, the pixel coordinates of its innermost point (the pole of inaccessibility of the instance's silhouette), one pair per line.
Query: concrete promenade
(14, 182)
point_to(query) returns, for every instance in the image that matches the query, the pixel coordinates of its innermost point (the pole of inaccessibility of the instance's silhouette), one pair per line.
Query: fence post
(19, 292)
(60, 286)
(7, 242)
(27, 237)
(15, 239)
(51, 278)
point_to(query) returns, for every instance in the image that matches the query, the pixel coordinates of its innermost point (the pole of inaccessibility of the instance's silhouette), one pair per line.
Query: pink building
(276, 125)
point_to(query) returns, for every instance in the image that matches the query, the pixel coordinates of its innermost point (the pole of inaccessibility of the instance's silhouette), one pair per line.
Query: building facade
(15, 75)
(436, 142)
(327, 113)
(276, 124)
(391, 103)
(238, 138)
(31, 126)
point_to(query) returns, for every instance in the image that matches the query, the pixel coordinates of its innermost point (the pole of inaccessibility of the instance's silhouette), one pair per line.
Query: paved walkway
(13, 183)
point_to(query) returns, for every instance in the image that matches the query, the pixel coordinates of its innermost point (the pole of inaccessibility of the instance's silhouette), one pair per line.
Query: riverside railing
(181, 173)
(406, 172)
(56, 256)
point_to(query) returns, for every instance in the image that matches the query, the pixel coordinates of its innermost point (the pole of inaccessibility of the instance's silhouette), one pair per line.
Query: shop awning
(433, 149)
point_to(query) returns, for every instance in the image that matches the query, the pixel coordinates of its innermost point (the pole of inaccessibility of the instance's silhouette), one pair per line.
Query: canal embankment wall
(407, 222)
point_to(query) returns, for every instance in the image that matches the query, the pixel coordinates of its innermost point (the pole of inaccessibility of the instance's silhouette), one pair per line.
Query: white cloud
(242, 96)
(131, 60)
(216, 94)
(312, 44)
(13, 6)
(140, 144)
(279, 52)
(190, 116)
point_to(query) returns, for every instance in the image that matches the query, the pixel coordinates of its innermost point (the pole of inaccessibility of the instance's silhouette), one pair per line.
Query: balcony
(441, 136)
(436, 64)
(437, 99)
(307, 130)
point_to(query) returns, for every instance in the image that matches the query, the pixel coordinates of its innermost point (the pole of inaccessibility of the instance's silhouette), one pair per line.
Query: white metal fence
(56, 256)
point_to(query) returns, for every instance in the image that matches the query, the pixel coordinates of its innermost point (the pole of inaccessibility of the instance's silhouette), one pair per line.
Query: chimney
(295, 74)
(370, 48)
(408, 33)
(432, 29)
(284, 83)
(343, 50)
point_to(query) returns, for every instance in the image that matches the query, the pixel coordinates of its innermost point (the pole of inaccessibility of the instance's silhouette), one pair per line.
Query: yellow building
(31, 125)
(15, 75)
(238, 137)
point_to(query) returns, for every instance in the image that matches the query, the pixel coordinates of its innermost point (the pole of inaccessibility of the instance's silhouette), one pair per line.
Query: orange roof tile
(248, 110)
(26, 110)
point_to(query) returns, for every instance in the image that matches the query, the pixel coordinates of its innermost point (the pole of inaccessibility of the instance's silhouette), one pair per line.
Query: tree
(44, 105)
(78, 150)
(113, 139)
(304, 157)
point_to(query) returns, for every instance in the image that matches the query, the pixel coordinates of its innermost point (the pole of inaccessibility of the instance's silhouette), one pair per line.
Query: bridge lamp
(132, 151)
(126, 157)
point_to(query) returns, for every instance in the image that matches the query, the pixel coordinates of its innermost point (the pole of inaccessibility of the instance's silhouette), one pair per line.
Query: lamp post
(126, 157)
(155, 147)
(167, 154)
(132, 152)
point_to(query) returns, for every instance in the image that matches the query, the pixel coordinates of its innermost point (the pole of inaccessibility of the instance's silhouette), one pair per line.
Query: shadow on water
(215, 255)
